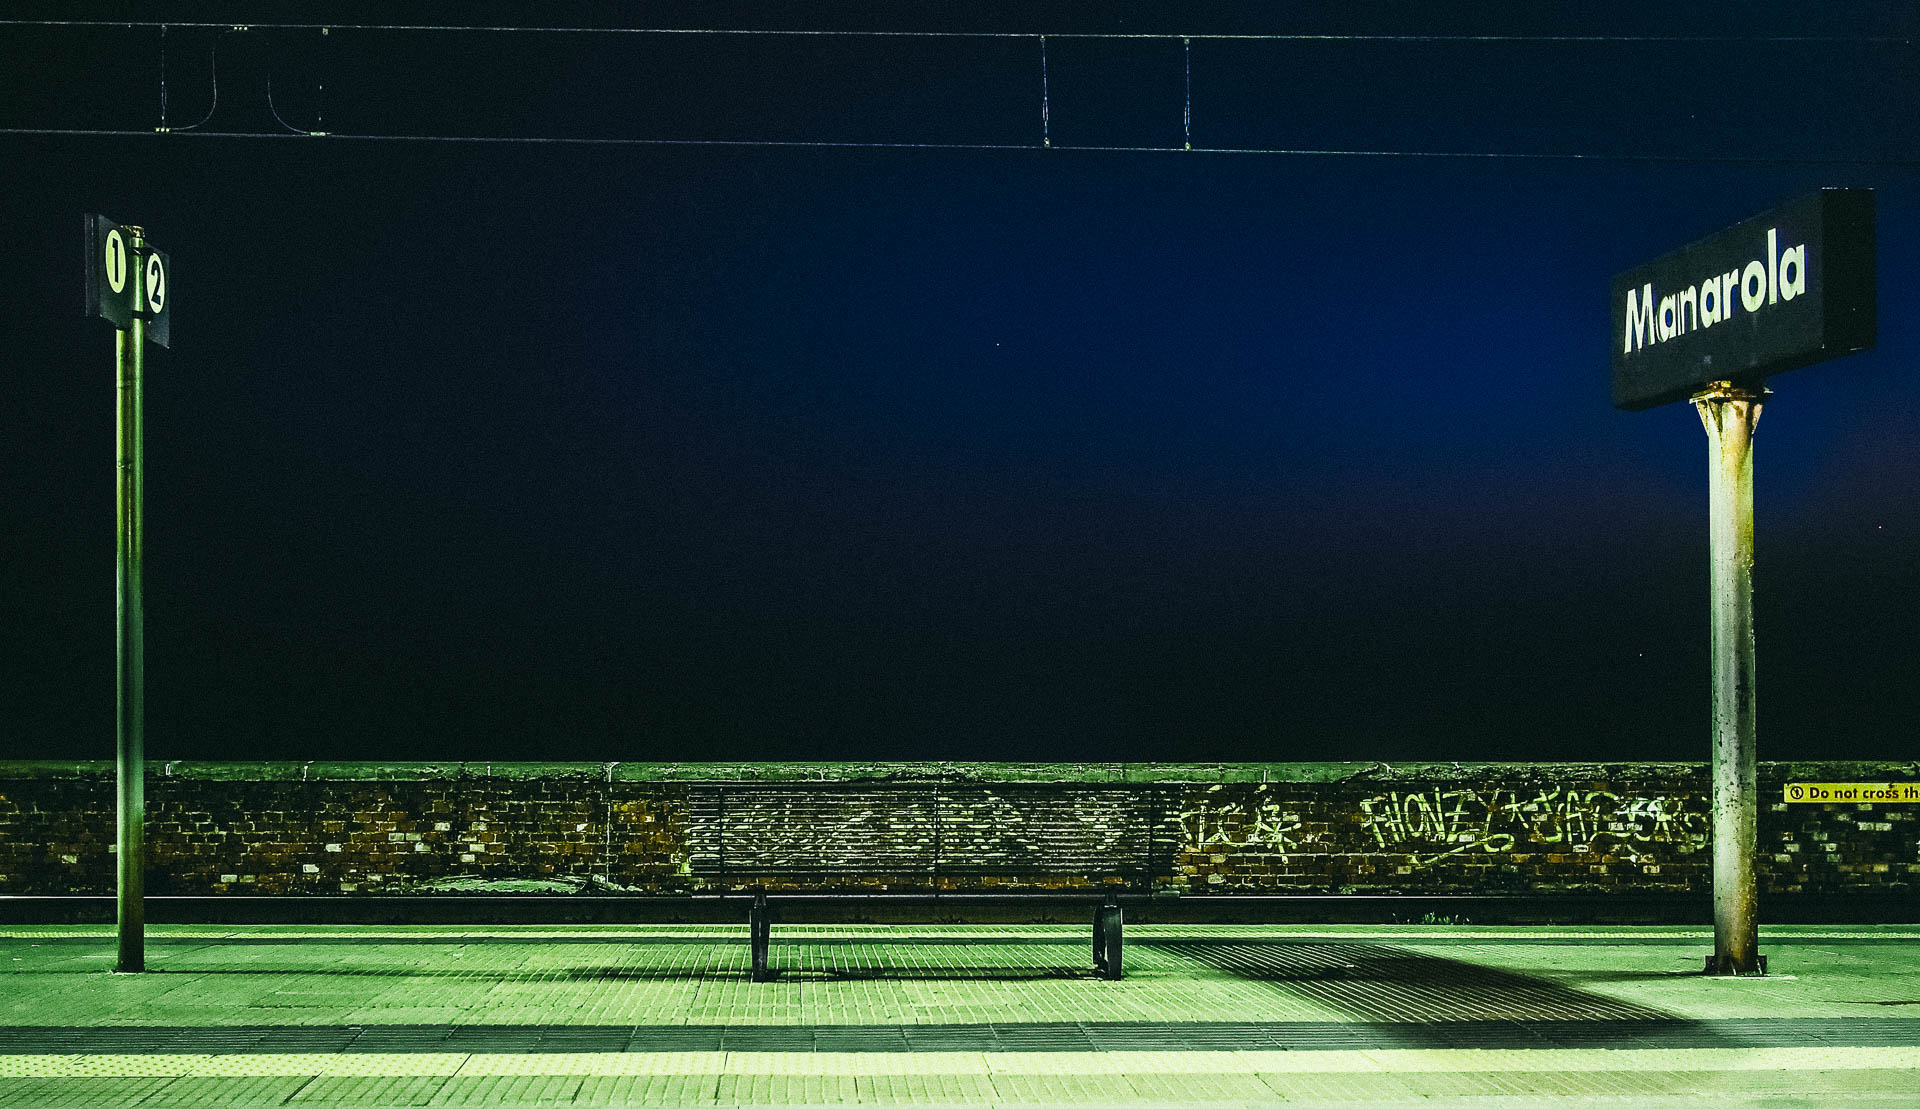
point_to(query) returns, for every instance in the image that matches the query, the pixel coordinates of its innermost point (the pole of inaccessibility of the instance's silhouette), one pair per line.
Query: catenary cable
(1302, 152)
(213, 74)
(1251, 37)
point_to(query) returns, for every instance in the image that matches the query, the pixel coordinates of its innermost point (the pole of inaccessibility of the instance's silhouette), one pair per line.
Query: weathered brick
(1511, 828)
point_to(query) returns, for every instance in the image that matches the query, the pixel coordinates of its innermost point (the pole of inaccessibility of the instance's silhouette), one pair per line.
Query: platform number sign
(124, 283)
(156, 284)
(116, 261)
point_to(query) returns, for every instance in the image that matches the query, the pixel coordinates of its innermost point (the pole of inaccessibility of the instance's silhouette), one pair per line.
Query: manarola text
(1782, 275)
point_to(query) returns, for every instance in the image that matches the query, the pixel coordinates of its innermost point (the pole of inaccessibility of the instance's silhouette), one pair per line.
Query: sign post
(131, 652)
(127, 283)
(1710, 322)
(1730, 413)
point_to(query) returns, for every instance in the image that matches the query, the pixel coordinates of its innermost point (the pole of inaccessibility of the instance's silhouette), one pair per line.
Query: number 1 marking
(116, 261)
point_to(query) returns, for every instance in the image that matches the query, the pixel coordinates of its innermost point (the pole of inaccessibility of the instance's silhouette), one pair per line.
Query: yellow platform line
(694, 1063)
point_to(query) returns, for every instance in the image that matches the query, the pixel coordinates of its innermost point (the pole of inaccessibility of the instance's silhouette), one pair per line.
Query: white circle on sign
(116, 261)
(156, 283)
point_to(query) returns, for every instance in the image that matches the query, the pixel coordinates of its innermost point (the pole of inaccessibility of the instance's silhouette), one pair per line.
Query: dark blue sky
(714, 452)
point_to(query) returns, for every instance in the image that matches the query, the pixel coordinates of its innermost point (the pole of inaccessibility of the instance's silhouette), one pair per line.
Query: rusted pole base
(1715, 966)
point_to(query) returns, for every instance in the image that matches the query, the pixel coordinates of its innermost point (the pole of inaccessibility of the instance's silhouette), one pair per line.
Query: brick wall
(1320, 828)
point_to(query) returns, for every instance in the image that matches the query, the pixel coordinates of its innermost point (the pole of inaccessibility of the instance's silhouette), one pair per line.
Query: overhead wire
(836, 33)
(213, 74)
(320, 97)
(277, 117)
(1046, 138)
(1046, 141)
(566, 140)
(275, 110)
(1186, 117)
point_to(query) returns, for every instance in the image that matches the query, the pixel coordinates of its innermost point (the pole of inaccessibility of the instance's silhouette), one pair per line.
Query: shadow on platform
(1387, 985)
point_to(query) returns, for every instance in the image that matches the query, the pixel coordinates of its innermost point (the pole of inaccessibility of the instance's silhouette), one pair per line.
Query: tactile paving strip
(1056, 1037)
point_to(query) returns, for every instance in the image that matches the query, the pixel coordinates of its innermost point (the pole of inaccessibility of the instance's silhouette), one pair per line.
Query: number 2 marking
(156, 283)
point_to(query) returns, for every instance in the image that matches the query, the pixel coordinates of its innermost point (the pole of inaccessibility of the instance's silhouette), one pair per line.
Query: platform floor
(956, 1015)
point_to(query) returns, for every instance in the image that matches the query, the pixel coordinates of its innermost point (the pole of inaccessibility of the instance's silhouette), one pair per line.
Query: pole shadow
(1425, 1000)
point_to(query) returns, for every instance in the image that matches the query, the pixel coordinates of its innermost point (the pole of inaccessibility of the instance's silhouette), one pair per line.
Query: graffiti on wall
(1439, 824)
(1244, 822)
(958, 827)
(914, 829)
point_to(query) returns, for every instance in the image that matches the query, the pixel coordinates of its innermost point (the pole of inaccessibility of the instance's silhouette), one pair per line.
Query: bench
(936, 844)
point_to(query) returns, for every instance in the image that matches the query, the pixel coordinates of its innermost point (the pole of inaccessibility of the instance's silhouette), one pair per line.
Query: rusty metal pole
(130, 753)
(1729, 414)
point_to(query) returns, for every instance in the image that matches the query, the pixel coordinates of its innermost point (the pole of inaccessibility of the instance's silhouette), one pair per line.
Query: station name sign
(1785, 289)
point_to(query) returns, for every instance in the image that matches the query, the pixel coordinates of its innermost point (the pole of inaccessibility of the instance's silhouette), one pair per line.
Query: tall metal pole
(131, 684)
(1729, 414)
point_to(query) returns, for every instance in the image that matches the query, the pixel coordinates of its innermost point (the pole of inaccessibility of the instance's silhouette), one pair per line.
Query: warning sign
(1825, 792)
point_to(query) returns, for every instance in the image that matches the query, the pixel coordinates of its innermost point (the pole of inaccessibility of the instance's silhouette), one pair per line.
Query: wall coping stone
(1087, 772)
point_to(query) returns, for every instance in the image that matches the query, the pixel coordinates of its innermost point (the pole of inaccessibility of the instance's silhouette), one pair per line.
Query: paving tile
(924, 1089)
(366, 1063)
(1163, 1086)
(400, 1037)
(98, 1066)
(656, 1038)
(645, 1089)
(1339, 1087)
(494, 1090)
(590, 1063)
(78, 1093)
(1477, 1084)
(221, 1093)
(1335, 1060)
(861, 1037)
(412, 1089)
(974, 1037)
(771, 1038)
(1104, 1089)
(787, 1089)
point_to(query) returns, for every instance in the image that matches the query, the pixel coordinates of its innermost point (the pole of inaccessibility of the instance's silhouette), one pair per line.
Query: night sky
(714, 452)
